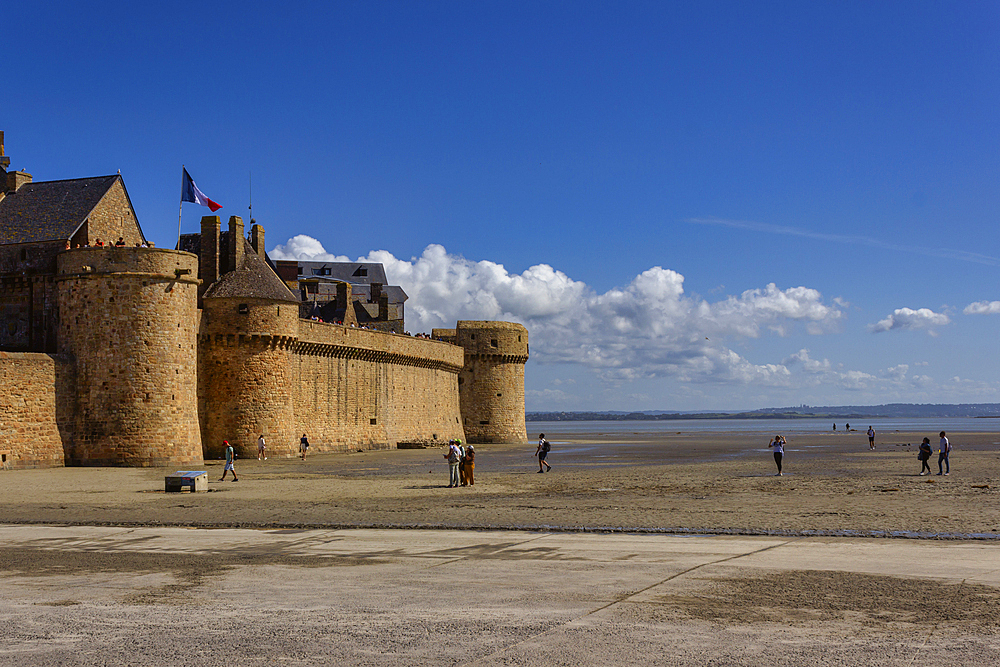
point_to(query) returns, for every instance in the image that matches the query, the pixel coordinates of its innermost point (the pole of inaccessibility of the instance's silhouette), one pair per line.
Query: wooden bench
(196, 479)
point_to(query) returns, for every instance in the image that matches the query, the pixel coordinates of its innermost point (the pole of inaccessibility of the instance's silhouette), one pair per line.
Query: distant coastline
(843, 412)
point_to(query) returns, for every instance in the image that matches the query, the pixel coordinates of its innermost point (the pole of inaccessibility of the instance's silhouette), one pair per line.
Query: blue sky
(692, 206)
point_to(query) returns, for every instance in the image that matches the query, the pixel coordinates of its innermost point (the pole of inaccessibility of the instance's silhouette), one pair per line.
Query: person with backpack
(542, 452)
(453, 458)
(230, 461)
(923, 455)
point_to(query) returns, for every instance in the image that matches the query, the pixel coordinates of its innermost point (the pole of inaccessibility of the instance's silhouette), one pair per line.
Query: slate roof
(50, 210)
(349, 272)
(255, 280)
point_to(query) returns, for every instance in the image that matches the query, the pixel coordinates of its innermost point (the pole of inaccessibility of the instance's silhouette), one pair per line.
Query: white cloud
(983, 308)
(306, 249)
(907, 319)
(646, 329)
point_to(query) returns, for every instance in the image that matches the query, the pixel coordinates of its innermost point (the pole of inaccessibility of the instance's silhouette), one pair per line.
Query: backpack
(546, 447)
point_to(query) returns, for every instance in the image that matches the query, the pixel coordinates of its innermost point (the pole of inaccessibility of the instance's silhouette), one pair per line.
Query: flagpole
(180, 207)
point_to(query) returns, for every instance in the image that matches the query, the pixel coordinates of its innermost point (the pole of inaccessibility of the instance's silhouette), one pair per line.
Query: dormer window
(361, 272)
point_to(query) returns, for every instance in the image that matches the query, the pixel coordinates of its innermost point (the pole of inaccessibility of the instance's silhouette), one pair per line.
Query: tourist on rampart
(944, 450)
(778, 445)
(261, 448)
(230, 460)
(453, 455)
(120, 243)
(542, 452)
(923, 455)
(470, 465)
(303, 446)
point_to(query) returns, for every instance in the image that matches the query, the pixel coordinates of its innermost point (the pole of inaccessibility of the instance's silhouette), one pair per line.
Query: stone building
(346, 292)
(140, 356)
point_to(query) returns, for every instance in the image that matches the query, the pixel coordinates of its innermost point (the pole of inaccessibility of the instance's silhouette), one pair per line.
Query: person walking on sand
(871, 438)
(230, 458)
(923, 455)
(542, 452)
(778, 444)
(944, 449)
(261, 447)
(454, 456)
(303, 446)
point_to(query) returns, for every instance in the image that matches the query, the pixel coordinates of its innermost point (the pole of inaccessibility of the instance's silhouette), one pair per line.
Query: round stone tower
(249, 324)
(129, 318)
(491, 384)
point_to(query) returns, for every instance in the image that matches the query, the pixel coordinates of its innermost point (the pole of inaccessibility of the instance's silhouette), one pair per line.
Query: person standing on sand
(923, 455)
(779, 449)
(470, 465)
(230, 459)
(542, 452)
(303, 446)
(454, 456)
(871, 438)
(834, 426)
(943, 451)
(261, 446)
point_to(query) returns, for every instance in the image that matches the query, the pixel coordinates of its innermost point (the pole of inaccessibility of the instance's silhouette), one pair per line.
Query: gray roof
(255, 280)
(349, 272)
(50, 210)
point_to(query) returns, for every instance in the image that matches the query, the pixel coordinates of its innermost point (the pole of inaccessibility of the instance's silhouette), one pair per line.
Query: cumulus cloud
(907, 319)
(646, 329)
(983, 308)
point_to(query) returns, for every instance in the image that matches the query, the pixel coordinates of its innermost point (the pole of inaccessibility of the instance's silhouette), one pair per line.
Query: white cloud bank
(983, 308)
(907, 319)
(646, 329)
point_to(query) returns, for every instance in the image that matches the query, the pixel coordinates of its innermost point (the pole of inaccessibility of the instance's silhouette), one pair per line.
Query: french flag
(191, 193)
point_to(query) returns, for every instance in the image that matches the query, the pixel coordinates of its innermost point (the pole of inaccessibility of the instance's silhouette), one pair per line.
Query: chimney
(383, 307)
(257, 237)
(208, 262)
(4, 160)
(343, 296)
(376, 293)
(15, 179)
(236, 248)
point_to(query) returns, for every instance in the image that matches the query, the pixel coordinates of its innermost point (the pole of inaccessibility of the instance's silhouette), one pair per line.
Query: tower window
(243, 309)
(494, 343)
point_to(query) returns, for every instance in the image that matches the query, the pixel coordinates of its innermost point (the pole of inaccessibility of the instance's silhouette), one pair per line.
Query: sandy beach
(113, 565)
(681, 481)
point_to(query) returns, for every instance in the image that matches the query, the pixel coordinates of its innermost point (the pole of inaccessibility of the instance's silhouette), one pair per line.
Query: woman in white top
(779, 448)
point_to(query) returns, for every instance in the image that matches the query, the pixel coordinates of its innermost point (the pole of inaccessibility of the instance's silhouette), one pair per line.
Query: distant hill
(889, 410)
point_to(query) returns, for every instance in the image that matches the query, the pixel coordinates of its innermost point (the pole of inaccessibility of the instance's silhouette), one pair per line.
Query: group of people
(461, 464)
(923, 455)
(925, 451)
(230, 453)
(98, 243)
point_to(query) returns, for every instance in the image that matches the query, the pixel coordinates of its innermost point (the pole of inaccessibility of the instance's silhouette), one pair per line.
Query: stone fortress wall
(37, 407)
(144, 378)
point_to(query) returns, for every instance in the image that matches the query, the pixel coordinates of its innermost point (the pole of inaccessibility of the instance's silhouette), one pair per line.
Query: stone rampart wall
(37, 401)
(360, 389)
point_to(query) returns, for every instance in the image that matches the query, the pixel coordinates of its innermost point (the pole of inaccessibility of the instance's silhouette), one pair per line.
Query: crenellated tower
(249, 327)
(491, 383)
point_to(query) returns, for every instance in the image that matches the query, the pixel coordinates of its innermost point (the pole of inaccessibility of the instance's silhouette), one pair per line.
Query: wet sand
(679, 482)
